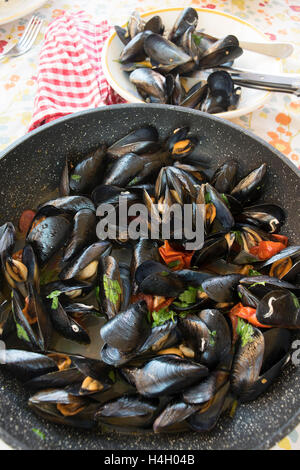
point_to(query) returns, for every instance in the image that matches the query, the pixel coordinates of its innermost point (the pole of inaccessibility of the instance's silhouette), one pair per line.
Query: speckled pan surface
(30, 170)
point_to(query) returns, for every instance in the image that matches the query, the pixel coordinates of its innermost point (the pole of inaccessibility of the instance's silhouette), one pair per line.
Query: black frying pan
(30, 171)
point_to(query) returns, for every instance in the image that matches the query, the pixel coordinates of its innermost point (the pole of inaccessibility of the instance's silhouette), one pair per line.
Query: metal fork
(27, 39)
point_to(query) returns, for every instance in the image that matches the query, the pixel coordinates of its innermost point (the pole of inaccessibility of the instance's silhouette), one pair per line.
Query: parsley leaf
(21, 333)
(197, 39)
(212, 340)
(54, 297)
(253, 272)
(112, 290)
(295, 300)
(163, 315)
(174, 264)
(39, 433)
(225, 199)
(188, 297)
(76, 177)
(245, 332)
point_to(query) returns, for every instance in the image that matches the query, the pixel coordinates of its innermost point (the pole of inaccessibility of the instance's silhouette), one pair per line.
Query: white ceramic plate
(215, 23)
(14, 9)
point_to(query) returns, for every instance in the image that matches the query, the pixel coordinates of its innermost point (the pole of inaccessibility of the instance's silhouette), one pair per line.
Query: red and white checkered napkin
(70, 76)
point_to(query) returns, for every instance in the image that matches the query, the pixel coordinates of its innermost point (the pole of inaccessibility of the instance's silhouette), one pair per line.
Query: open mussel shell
(161, 337)
(70, 288)
(129, 411)
(156, 279)
(261, 285)
(212, 249)
(48, 235)
(135, 24)
(70, 204)
(139, 141)
(56, 379)
(65, 325)
(249, 188)
(195, 332)
(165, 375)
(144, 250)
(222, 288)
(201, 392)
(123, 34)
(85, 266)
(276, 356)
(221, 96)
(110, 287)
(134, 50)
(86, 173)
(128, 330)
(83, 233)
(114, 357)
(279, 308)
(110, 194)
(207, 417)
(220, 52)
(58, 406)
(218, 348)
(224, 177)
(164, 53)
(25, 331)
(155, 25)
(7, 240)
(195, 96)
(186, 19)
(248, 299)
(247, 364)
(268, 217)
(26, 365)
(150, 84)
(174, 413)
(285, 264)
(124, 170)
(223, 213)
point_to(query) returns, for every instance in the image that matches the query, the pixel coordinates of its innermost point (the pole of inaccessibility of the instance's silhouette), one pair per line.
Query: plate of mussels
(172, 56)
(147, 337)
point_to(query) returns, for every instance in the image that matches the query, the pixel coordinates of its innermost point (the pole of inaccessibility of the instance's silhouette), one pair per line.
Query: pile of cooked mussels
(159, 63)
(179, 336)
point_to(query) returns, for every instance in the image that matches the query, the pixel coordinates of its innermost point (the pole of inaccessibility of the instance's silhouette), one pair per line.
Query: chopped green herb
(21, 333)
(54, 296)
(197, 39)
(133, 182)
(225, 198)
(174, 263)
(263, 283)
(165, 273)
(39, 433)
(253, 272)
(212, 340)
(245, 332)
(163, 315)
(240, 295)
(233, 408)
(188, 297)
(112, 376)
(207, 198)
(112, 290)
(295, 300)
(238, 237)
(76, 177)
(97, 294)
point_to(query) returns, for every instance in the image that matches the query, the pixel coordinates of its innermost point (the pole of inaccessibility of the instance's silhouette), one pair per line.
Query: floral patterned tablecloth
(278, 122)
